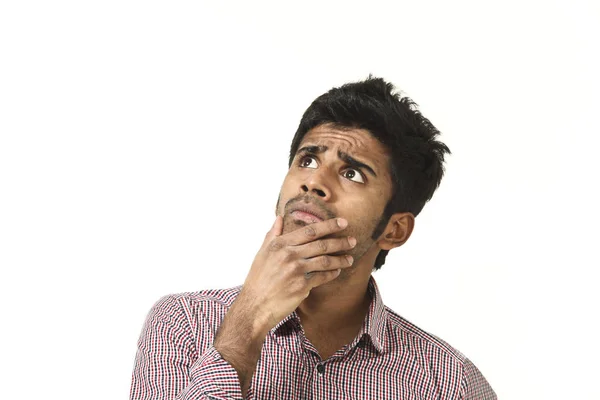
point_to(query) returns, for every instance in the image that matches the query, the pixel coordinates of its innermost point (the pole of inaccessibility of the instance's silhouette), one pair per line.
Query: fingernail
(352, 241)
(350, 259)
(342, 223)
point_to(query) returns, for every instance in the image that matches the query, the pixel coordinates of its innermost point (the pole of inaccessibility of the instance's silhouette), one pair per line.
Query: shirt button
(320, 368)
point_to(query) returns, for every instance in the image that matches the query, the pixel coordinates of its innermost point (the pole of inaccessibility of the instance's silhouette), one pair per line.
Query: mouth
(305, 216)
(307, 212)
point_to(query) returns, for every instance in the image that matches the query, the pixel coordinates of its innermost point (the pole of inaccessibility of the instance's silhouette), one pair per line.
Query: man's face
(338, 187)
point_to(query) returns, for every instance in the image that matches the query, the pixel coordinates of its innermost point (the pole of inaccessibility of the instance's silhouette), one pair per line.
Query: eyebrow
(354, 163)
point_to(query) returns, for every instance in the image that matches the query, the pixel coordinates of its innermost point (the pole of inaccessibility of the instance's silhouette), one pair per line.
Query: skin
(298, 266)
(333, 313)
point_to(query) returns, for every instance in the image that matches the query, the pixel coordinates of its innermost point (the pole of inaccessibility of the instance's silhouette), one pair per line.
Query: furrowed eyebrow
(354, 163)
(312, 149)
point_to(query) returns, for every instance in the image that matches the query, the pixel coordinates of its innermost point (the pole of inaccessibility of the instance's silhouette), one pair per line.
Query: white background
(143, 145)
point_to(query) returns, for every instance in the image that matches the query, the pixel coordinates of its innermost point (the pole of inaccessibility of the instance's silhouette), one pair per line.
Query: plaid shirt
(389, 359)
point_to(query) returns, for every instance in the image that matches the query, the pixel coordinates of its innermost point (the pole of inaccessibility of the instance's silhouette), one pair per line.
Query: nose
(316, 185)
(319, 192)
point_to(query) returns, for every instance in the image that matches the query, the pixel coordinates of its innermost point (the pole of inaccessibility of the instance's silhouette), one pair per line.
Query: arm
(474, 386)
(168, 366)
(282, 275)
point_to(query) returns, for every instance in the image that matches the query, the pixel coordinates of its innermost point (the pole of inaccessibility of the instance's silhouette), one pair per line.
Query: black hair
(416, 158)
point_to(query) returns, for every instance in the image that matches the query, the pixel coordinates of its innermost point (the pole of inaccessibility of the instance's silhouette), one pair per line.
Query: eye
(303, 163)
(352, 173)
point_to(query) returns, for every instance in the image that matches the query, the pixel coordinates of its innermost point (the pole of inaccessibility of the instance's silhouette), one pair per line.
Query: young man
(309, 321)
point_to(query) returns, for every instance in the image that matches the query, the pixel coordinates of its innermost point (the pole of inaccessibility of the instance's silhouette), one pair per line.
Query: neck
(337, 306)
(342, 304)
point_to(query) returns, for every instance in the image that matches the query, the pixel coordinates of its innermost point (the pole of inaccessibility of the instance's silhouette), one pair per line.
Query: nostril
(320, 192)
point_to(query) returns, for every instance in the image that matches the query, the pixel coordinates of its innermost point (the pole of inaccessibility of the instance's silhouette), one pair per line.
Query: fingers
(278, 226)
(276, 229)
(314, 231)
(320, 278)
(325, 263)
(324, 246)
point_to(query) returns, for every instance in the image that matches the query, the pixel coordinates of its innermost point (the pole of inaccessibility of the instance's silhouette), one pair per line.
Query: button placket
(320, 369)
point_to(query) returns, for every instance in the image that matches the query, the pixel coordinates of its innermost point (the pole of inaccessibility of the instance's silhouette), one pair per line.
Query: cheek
(286, 183)
(287, 192)
(360, 228)
(289, 181)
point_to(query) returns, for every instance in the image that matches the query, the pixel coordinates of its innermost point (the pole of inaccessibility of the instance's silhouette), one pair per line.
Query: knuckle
(310, 231)
(297, 264)
(322, 245)
(288, 255)
(299, 285)
(275, 245)
(325, 261)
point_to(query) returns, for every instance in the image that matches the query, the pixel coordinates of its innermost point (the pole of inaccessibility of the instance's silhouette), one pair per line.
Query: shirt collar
(373, 327)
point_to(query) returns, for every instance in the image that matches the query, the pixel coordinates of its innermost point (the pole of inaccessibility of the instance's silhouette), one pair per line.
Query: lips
(306, 217)
(307, 213)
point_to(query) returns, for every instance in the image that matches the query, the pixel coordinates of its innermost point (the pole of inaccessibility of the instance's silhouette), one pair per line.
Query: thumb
(277, 228)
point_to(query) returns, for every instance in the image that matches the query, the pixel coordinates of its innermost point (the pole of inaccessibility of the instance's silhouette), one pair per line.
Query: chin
(290, 224)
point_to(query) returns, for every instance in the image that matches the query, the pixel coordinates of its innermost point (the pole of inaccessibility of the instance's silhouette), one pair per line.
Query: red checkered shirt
(389, 359)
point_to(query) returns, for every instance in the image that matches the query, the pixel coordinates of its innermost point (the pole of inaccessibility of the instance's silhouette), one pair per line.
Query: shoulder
(439, 358)
(193, 306)
(417, 339)
(222, 297)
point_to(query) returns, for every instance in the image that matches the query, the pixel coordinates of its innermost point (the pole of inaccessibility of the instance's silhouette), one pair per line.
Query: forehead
(358, 143)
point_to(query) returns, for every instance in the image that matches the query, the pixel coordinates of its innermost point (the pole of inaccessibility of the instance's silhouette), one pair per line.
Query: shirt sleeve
(474, 386)
(168, 366)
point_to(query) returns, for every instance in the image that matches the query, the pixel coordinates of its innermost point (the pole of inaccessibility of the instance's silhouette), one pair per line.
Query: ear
(397, 231)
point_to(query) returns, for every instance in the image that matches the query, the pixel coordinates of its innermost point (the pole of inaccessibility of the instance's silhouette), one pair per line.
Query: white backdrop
(143, 145)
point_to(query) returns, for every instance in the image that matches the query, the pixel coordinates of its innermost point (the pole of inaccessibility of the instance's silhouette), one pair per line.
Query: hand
(288, 266)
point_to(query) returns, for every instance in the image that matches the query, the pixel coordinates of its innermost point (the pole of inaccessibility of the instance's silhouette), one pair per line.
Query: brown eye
(352, 173)
(305, 162)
